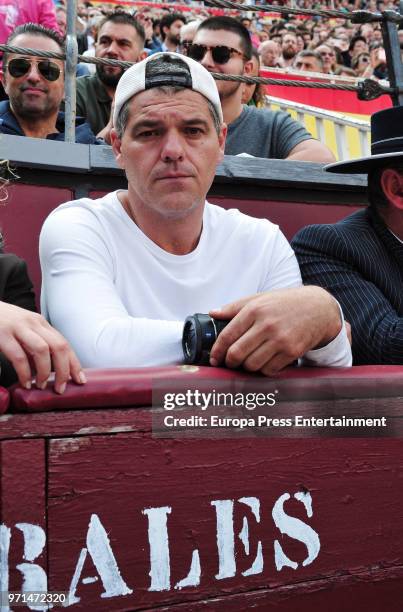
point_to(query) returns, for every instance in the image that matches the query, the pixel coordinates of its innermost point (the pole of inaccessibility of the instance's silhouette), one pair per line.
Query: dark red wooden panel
(290, 216)
(375, 591)
(21, 219)
(22, 501)
(357, 504)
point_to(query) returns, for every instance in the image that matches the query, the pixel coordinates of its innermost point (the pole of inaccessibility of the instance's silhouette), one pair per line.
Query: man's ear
(3, 78)
(221, 140)
(248, 67)
(392, 186)
(116, 144)
(142, 56)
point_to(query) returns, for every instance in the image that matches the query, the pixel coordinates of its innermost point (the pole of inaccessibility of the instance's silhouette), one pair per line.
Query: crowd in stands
(331, 46)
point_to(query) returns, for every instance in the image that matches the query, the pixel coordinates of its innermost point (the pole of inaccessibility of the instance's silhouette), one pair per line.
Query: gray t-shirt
(264, 133)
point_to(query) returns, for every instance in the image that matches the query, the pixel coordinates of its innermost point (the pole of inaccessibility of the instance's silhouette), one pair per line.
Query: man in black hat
(360, 259)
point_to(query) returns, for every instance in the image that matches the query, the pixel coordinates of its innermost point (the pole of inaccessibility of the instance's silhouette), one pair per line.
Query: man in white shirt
(121, 273)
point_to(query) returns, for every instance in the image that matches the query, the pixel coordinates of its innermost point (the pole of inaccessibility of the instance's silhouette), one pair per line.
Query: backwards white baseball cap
(173, 69)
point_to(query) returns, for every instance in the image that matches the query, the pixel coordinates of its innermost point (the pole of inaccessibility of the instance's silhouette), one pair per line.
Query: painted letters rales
(97, 546)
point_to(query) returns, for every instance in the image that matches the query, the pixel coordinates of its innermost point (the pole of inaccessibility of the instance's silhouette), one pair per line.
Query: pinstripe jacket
(361, 263)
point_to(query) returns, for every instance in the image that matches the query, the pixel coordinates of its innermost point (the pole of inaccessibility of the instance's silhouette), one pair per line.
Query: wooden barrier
(123, 520)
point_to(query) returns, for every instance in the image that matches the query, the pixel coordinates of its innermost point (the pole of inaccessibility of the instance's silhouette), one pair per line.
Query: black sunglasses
(19, 66)
(220, 53)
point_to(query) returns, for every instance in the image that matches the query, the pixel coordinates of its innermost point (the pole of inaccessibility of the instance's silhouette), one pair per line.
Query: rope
(354, 16)
(368, 85)
(271, 8)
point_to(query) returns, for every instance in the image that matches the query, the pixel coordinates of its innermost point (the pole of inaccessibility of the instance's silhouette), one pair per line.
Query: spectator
(308, 61)
(121, 273)
(249, 25)
(152, 43)
(270, 54)
(14, 13)
(328, 56)
(263, 36)
(87, 43)
(360, 259)
(357, 45)
(289, 48)
(187, 34)
(258, 132)
(35, 87)
(86, 40)
(300, 42)
(361, 64)
(28, 344)
(170, 26)
(254, 94)
(61, 18)
(120, 37)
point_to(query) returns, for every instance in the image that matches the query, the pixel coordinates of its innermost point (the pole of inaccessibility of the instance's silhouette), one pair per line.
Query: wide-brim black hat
(386, 144)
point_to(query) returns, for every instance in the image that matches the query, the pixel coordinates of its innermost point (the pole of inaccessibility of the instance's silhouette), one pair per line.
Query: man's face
(377, 35)
(118, 41)
(269, 53)
(309, 63)
(82, 10)
(328, 56)
(289, 46)
(169, 150)
(236, 64)
(32, 95)
(173, 32)
(340, 31)
(61, 19)
(359, 47)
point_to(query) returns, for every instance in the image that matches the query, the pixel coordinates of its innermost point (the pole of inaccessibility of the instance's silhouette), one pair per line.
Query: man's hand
(27, 338)
(268, 331)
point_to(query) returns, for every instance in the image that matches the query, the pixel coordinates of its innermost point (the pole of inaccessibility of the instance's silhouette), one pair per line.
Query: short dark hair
(124, 18)
(35, 30)
(356, 39)
(168, 20)
(231, 25)
(310, 53)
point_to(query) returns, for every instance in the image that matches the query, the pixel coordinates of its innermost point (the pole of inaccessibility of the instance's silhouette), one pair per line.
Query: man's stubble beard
(110, 80)
(175, 40)
(289, 54)
(230, 89)
(33, 114)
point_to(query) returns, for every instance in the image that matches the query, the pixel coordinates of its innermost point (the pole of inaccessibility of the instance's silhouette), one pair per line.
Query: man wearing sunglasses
(223, 45)
(35, 87)
(121, 273)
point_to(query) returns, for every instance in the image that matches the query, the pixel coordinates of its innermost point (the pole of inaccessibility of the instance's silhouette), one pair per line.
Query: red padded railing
(133, 387)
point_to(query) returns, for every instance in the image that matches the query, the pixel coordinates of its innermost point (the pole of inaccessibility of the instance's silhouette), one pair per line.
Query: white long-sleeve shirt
(121, 300)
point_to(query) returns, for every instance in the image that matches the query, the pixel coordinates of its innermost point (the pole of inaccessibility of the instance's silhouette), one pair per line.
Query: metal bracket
(369, 90)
